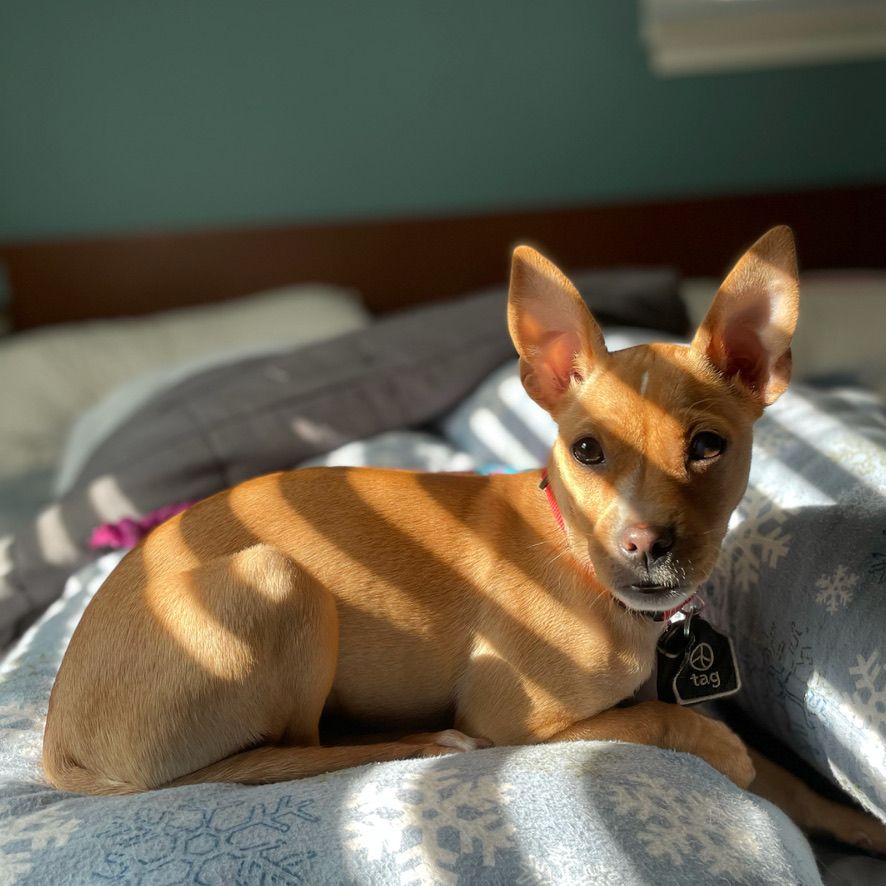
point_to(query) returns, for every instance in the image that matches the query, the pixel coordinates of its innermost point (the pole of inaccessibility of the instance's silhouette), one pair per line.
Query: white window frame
(700, 36)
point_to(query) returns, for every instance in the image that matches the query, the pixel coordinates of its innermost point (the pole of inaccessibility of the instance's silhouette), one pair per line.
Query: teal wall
(142, 115)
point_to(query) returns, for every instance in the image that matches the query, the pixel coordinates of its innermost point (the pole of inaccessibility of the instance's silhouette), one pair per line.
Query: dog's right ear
(555, 335)
(747, 332)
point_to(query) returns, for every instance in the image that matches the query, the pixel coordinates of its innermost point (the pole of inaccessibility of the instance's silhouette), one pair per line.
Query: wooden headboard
(403, 262)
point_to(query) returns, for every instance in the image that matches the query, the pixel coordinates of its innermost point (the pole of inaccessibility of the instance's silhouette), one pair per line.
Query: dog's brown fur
(397, 598)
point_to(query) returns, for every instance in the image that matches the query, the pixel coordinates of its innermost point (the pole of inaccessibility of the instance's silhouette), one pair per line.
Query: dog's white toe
(452, 738)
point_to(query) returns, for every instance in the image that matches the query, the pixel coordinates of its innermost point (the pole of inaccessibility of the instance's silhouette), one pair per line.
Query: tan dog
(401, 599)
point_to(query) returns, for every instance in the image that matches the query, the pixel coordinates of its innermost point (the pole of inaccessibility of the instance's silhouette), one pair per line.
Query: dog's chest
(591, 661)
(616, 657)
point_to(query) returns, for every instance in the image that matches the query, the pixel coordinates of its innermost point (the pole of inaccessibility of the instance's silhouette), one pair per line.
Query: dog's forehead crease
(664, 382)
(656, 369)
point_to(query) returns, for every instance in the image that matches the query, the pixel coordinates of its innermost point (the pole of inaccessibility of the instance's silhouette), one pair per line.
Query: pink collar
(552, 500)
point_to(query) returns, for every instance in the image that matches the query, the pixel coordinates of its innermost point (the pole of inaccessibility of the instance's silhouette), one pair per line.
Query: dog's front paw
(714, 742)
(726, 752)
(449, 741)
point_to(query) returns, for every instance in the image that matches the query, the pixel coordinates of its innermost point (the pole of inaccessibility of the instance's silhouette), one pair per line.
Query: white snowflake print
(755, 538)
(677, 826)
(835, 591)
(427, 820)
(870, 694)
(22, 840)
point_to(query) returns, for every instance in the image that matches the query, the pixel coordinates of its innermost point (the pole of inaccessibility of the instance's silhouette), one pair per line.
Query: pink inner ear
(742, 352)
(560, 349)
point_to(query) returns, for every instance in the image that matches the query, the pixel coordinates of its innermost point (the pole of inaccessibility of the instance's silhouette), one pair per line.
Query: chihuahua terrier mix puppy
(405, 600)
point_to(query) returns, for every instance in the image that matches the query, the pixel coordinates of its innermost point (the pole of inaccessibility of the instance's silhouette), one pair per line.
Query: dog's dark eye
(588, 451)
(706, 445)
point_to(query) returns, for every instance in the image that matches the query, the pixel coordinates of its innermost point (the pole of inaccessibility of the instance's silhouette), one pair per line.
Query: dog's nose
(646, 544)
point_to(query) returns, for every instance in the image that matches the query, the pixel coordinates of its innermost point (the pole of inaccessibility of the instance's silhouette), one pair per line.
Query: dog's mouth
(664, 587)
(652, 596)
(650, 587)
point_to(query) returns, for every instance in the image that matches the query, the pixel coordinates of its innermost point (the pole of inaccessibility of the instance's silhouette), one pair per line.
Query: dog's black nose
(645, 544)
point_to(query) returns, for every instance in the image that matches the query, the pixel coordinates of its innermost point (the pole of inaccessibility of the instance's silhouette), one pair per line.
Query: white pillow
(49, 376)
(100, 420)
(839, 335)
(412, 450)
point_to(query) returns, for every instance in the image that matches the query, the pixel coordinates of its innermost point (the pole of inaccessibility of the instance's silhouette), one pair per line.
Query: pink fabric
(126, 533)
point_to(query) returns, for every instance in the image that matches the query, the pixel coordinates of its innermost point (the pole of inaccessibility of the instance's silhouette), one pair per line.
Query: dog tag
(696, 663)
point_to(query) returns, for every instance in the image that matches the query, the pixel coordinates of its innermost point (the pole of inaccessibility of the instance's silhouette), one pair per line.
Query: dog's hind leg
(292, 635)
(269, 764)
(232, 654)
(813, 813)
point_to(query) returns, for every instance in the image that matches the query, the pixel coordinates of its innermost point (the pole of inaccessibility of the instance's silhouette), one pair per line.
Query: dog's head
(654, 442)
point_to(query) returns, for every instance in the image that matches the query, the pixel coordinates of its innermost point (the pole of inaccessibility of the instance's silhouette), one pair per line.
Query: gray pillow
(645, 297)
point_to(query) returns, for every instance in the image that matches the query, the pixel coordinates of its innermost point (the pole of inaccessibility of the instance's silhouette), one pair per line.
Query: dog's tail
(69, 776)
(261, 765)
(272, 763)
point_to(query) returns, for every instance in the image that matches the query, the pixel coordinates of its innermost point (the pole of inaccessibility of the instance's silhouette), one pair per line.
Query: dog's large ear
(553, 331)
(747, 332)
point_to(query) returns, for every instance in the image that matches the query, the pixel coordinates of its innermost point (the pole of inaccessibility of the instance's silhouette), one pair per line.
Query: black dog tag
(696, 663)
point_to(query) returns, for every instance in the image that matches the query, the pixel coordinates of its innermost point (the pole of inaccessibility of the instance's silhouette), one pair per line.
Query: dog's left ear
(747, 332)
(552, 328)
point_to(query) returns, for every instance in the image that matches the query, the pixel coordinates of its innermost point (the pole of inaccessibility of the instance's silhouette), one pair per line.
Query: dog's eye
(588, 451)
(706, 445)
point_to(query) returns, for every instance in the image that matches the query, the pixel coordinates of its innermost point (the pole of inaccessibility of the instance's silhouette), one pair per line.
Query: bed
(384, 343)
